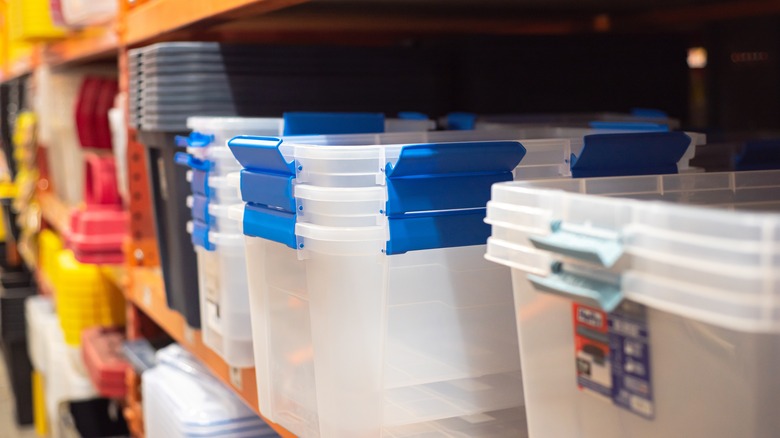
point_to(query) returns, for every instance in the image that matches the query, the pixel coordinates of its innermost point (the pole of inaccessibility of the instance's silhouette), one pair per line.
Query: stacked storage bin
(101, 349)
(99, 228)
(170, 82)
(85, 297)
(224, 298)
(373, 309)
(652, 301)
(181, 399)
(13, 340)
(61, 371)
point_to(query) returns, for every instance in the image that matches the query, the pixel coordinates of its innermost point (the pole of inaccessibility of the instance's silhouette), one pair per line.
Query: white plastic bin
(224, 301)
(698, 329)
(216, 131)
(181, 399)
(393, 338)
(441, 348)
(61, 366)
(358, 160)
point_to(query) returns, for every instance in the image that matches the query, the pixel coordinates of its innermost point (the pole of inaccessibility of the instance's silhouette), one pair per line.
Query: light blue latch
(589, 291)
(584, 244)
(595, 246)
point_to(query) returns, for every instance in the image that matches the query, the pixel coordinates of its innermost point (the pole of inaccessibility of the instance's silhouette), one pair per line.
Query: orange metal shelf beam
(90, 43)
(158, 17)
(146, 291)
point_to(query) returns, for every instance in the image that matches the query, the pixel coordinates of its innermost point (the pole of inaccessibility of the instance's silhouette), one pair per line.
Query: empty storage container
(224, 297)
(373, 309)
(181, 399)
(644, 319)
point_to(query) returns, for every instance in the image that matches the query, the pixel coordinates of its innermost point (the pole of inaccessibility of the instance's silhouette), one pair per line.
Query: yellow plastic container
(85, 297)
(40, 419)
(31, 21)
(49, 245)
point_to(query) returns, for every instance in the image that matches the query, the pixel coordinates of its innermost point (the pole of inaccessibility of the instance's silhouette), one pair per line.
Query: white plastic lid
(208, 125)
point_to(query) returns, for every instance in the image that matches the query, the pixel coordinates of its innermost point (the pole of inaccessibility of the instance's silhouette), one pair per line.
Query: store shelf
(55, 212)
(159, 17)
(146, 292)
(88, 44)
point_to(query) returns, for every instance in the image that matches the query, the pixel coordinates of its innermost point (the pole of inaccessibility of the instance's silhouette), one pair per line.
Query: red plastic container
(96, 97)
(101, 348)
(98, 231)
(100, 186)
(97, 234)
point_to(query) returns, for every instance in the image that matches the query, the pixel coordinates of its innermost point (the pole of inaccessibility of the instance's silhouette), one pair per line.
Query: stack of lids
(181, 398)
(85, 297)
(172, 81)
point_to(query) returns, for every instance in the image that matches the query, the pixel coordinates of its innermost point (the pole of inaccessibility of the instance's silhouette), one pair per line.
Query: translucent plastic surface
(327, 315)
(224, 300)
(708, 277)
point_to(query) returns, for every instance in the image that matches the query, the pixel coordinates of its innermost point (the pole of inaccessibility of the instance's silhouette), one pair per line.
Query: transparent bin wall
(708, 381)
(224, 304)
(448, 348)
(281, 333)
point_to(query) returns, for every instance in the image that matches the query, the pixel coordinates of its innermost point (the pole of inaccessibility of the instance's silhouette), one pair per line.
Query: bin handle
(602, 247)
(584, 289)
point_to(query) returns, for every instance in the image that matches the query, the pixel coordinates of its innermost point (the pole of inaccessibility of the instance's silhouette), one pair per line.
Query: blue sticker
(630, 359)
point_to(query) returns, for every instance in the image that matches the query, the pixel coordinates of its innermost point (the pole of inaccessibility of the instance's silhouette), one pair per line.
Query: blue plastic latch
(200, 183)
(589, 291)
(306, 123)
(200, 235)
(594, 246)
(198, 140)
(456, 158)
(261, 154)
(200, 209)
(185, 159)
(413, 232)
(461, 121)
(630, 126)
(646, 153)
(446, 176)
(412, 115)
(649, 113)
(270, 224)
(180, 141)
(268, 189)
(759, 155)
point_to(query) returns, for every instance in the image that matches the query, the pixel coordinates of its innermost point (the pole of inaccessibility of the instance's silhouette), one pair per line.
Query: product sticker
(630, 353)
(613, 356)
(212, 289)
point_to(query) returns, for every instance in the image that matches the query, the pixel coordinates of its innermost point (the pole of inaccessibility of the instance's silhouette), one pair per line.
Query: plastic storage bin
(30, 20)
(224, 298)
(655, 301)
(102, 353)
(180, 398)
(170, 82)
(61, 370)
(79, 13)
(85, 298)
(424, 346)
(99, 229)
